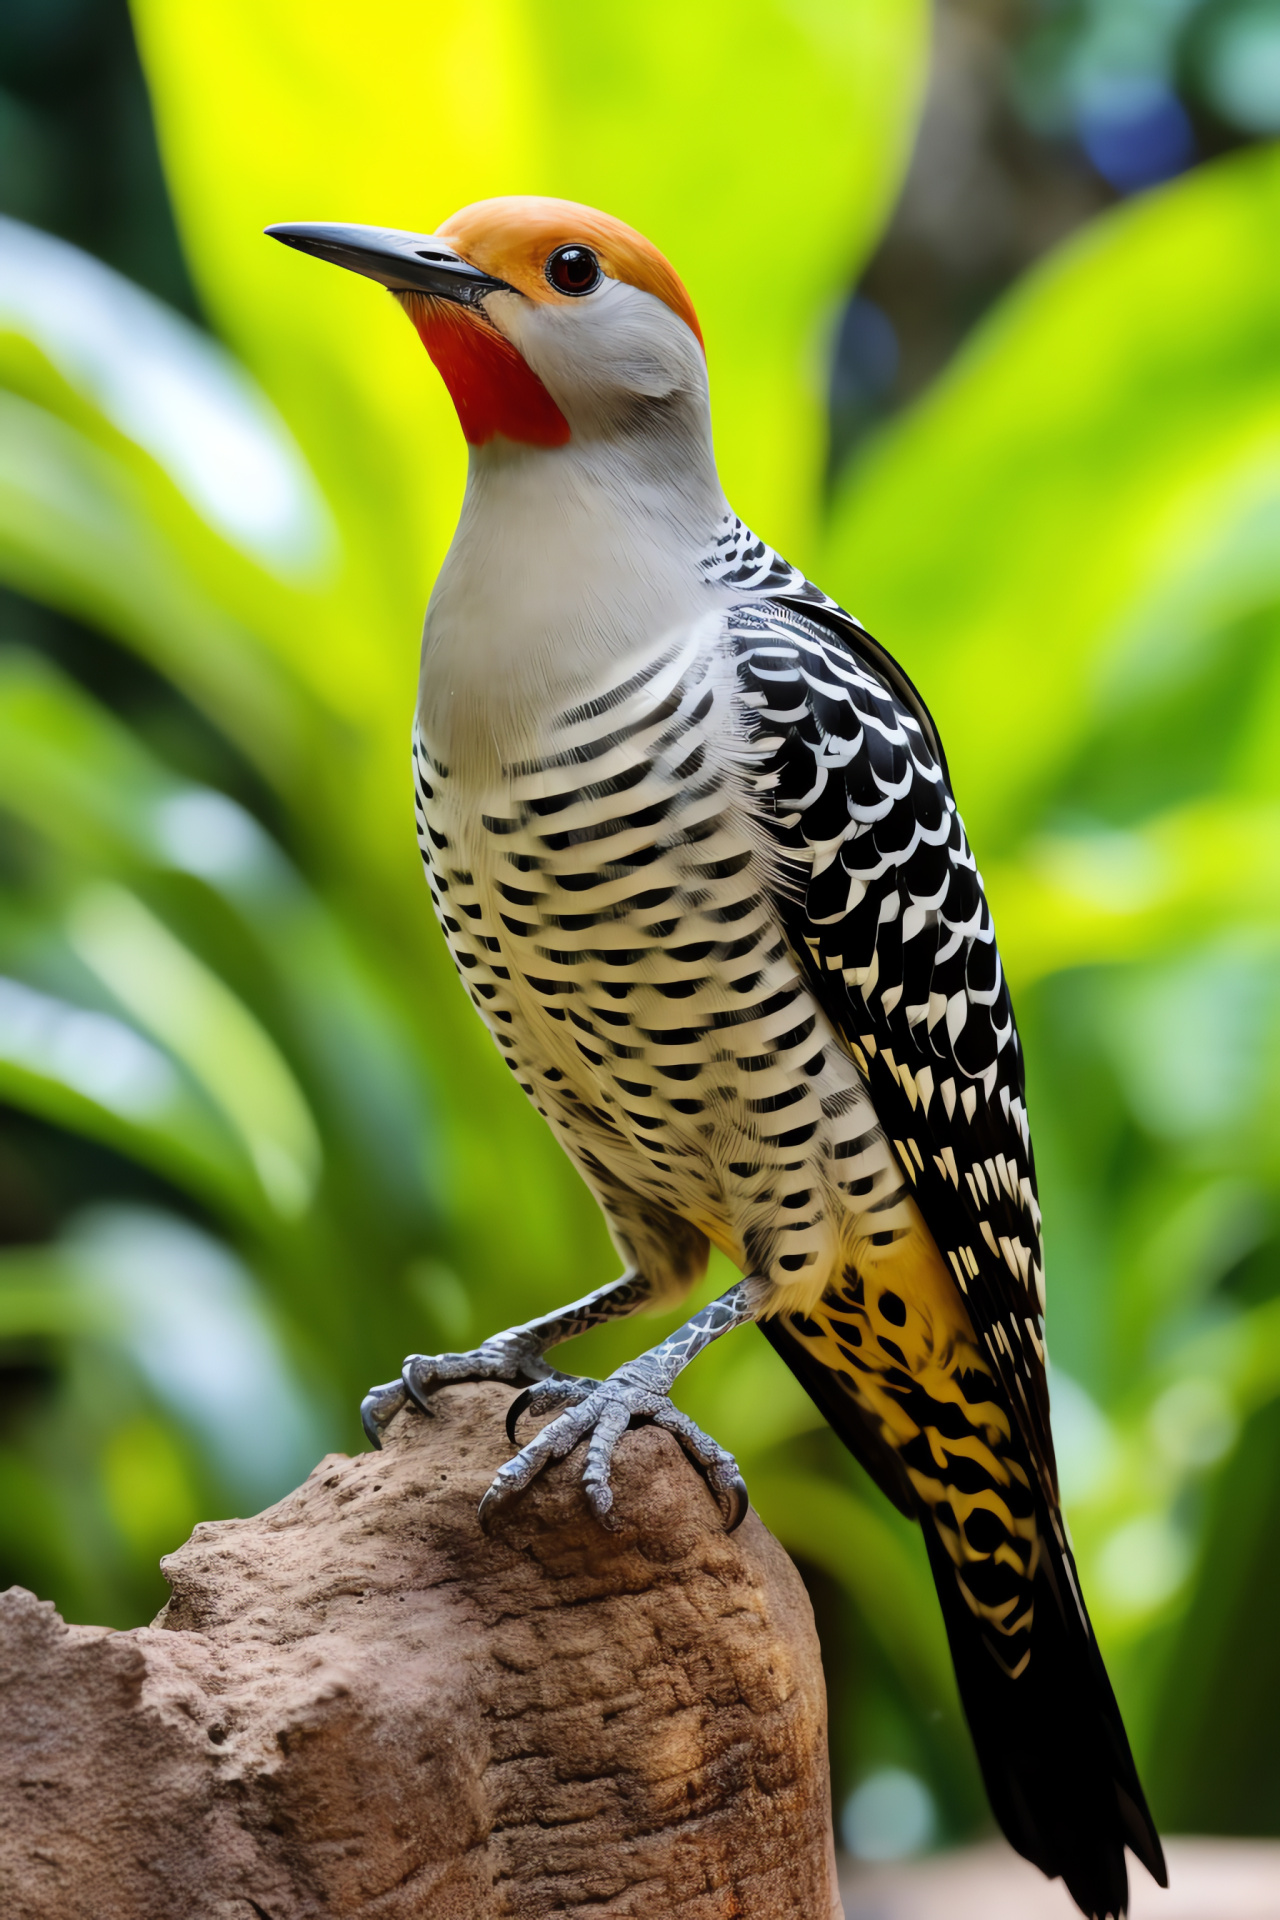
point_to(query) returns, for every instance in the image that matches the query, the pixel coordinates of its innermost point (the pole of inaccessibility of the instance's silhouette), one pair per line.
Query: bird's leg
(640, 1390)
(514, 1356)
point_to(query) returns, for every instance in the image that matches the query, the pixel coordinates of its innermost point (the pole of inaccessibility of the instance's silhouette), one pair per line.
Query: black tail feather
(1052, 1746)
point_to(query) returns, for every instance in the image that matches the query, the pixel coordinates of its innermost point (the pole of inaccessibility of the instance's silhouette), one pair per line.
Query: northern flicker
(690, 836)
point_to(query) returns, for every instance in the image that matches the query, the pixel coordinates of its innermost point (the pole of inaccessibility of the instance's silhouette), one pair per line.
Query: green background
(255, 1146)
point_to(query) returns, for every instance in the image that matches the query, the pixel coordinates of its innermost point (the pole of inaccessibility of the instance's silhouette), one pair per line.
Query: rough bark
(357, 1704)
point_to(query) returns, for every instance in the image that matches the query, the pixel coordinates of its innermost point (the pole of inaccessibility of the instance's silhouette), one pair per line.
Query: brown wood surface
(356, 1704)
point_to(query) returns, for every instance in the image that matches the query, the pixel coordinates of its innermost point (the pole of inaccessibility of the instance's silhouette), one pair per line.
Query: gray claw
(599, 1412)
(379, 1407)
(718, 1468)
(491, 1505)
(420, 1396)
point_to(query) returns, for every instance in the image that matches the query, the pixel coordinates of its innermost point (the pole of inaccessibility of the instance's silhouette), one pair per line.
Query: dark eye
(574, 270)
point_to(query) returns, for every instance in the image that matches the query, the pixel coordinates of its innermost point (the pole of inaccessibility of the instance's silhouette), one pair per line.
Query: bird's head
(548, 321)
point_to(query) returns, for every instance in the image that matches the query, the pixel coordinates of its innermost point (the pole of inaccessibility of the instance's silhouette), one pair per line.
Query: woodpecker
(690, 835)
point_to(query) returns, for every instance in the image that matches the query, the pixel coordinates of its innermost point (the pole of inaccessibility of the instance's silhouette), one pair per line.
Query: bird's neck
(565, 562)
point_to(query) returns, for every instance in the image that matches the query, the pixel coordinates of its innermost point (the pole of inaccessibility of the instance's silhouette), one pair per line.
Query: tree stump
(356, 1703)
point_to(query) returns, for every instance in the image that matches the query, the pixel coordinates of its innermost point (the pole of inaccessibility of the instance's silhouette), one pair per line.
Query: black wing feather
(884, 908)
(890, 920)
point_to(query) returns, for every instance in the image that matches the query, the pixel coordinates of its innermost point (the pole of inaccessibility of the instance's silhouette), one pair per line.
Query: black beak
(405, 262)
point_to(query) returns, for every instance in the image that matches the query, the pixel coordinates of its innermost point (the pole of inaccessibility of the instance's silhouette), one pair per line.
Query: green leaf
(1158, 888)
(78, 531)
(97, 1076)
(167, 386)
(173, 995)
(765, 197)
(86, 785)
(1078, 487)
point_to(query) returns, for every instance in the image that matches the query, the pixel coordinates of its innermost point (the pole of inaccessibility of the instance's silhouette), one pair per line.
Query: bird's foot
(512, 1357)
(604, 1409)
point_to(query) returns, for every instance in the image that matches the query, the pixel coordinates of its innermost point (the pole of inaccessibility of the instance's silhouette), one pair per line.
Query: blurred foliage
(1146, 84)
(1072, 542)
(1038, 114)
(78, 153)
(258, 1147)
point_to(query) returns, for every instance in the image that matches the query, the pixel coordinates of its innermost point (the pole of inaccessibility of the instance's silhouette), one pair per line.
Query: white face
(616, 352)
(605, 354)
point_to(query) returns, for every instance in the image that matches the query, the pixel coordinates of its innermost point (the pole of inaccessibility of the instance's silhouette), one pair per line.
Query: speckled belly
(607, 907)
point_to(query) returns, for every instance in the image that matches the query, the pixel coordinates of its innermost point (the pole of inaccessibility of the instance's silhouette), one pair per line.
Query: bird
(691, 838)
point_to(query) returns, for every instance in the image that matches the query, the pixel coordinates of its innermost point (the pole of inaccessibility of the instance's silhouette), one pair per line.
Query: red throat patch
(492, 387)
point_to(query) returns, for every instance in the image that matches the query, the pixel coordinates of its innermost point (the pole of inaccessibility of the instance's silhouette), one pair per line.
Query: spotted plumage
(691, 839)
(730, 938)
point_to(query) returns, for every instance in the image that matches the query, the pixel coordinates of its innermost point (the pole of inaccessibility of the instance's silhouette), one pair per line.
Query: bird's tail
(1051, 1744)
(1050, 1740)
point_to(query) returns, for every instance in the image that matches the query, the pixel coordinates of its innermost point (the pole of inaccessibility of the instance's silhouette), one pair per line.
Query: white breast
(606, 903)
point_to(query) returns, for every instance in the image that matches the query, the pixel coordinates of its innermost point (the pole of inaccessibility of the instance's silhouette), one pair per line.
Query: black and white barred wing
(886, 911)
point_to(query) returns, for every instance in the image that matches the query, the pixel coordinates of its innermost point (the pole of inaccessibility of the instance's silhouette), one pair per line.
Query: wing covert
(884, 906)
